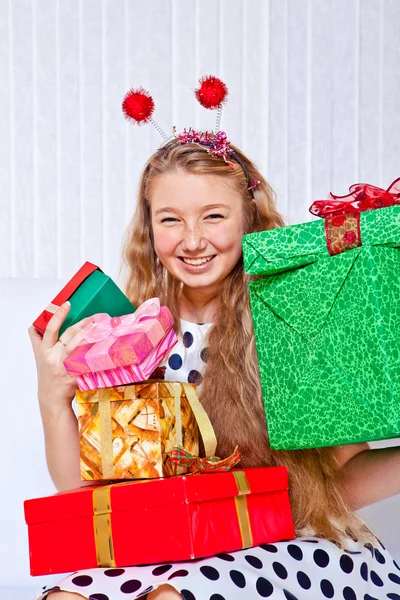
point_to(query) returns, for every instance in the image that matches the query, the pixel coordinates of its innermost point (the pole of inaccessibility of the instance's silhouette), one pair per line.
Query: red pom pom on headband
(212, 92)
(138, 106)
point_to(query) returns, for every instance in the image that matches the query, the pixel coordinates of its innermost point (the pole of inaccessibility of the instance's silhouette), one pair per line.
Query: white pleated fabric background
(314, 100)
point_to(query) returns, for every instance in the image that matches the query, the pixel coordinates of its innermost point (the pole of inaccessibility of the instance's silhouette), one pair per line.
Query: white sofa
(23, 469)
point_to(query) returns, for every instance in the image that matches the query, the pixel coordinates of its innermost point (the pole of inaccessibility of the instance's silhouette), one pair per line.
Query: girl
(184, 246)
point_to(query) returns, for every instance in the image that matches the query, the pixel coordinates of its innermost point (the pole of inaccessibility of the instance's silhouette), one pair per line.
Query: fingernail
(88, 325)
(66, 304)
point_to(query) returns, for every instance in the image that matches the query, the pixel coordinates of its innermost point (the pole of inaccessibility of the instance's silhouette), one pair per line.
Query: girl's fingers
(78, 336)
(50, 336)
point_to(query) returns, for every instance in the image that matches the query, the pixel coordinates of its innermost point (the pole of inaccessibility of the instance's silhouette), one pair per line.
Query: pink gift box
(122, 350)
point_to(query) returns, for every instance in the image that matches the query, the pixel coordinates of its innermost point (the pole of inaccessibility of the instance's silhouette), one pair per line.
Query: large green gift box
(327, 330)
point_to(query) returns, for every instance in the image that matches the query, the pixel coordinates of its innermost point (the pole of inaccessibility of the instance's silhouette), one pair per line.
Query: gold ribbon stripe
(242, 510)
(106, 448)
(102, 526)
(101, 499)
(203, 421)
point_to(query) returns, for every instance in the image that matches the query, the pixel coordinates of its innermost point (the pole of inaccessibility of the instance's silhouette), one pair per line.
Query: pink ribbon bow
(105, 331)
(104, 325)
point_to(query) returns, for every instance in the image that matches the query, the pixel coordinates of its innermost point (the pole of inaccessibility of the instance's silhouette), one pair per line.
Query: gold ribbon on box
(102, 526)
(202, 418)
(242, 510)
(52, 308)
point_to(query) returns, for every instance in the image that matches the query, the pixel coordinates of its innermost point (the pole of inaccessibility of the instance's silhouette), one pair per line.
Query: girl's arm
(369, 475)
(56, 391)
(62, 445)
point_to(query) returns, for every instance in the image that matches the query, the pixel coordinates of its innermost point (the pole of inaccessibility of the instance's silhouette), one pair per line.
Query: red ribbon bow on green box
(342, 213)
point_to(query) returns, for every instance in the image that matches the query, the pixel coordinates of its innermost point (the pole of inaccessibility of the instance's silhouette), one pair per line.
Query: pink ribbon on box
(106, 330)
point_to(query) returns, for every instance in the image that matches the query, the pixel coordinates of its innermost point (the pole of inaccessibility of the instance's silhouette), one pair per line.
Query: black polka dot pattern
(130, 586)
(204, 354)
(254, 561)
(175, 361)
(346, 563)
(321, 558)
(195, 377)
(210, 572)
(82, 580)
(379, 557)
(114, 572)
(349, 593)
(376, 579)
(327, 588)
(161, 570)
(269, 548)
(181, 573)
(187, 339)
(292, 570)
(264, 587)
(280, 570)
(364, 571)
(289, 595)
(304, 580)
(238, 578)
(227, 557)
(187, 595)
(295, 551)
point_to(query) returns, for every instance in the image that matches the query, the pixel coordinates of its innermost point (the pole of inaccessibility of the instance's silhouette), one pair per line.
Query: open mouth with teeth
(196, 262)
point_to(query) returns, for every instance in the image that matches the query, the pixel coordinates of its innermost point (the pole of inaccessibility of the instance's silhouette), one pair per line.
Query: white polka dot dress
(301, 569)
(187, 360)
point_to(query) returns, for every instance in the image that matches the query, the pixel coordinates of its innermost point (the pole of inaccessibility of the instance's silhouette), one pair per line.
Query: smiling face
(198, 225)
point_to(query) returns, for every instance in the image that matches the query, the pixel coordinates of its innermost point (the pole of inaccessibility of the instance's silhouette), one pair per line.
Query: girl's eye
(172, 219)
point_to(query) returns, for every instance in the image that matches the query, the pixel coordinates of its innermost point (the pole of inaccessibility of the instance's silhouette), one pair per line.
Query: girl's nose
(193, 239)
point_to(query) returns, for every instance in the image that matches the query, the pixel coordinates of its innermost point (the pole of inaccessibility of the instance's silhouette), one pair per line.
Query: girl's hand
(56, 388)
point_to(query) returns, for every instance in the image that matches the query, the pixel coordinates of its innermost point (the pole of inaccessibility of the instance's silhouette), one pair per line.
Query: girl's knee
(164, 592)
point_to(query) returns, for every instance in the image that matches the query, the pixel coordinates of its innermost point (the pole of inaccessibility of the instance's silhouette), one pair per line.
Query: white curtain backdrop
(314, 100)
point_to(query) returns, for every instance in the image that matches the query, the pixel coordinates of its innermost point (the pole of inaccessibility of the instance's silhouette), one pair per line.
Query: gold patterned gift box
(127, 432)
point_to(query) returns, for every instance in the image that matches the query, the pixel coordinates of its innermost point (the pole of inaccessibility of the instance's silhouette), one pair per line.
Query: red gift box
(67, 291)
(161, 520)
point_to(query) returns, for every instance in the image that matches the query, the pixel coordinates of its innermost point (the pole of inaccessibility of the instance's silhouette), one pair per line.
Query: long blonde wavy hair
(231, 390)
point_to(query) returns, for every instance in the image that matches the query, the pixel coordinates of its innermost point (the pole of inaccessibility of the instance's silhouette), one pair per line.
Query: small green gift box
(326, 315)
(90, 291)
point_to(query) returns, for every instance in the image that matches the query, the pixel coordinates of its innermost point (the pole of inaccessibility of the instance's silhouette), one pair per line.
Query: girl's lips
(197, 268)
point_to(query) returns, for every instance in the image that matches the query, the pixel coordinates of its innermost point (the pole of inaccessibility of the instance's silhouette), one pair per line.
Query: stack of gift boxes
(326, 314)
(139, 444)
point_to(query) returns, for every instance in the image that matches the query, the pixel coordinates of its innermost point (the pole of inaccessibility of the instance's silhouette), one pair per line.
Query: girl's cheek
(164, 238)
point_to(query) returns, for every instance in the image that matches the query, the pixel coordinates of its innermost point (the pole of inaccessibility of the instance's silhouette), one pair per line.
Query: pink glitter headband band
(217, 145)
